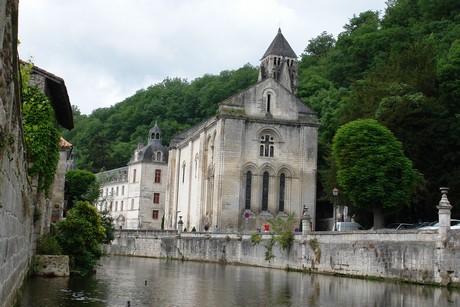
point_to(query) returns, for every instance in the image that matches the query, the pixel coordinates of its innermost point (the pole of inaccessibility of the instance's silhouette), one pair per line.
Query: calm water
(175, 283)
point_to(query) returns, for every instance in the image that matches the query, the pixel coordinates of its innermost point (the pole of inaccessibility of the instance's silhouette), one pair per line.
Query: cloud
(107, 50)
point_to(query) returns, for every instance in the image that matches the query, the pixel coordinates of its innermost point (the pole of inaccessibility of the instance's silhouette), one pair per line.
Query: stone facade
(255, 160)
(16, 209)
(58, 187)
(135, 195)
(52, 265)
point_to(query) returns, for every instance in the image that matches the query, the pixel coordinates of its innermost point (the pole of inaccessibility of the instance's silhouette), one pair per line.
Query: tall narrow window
(117, 191)
(157, 176)
(156, 198)
(183, 172)
(268, 102)
(132, 204)
(265, 191)
(282, 192)
(248, 190)
(116, 206)
(267, 146)
(121, 206)
(155, 214)
(122, 190)
(134, 175)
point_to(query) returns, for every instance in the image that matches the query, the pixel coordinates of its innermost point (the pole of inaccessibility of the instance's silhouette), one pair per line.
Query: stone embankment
(413, 255)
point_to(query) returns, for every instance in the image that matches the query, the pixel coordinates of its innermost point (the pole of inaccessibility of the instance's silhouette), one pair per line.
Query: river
(159, 282)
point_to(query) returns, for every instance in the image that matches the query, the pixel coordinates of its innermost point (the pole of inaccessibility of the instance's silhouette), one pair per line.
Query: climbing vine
(41, 134)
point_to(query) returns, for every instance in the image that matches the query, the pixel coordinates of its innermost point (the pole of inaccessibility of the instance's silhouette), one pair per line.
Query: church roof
(280, 46)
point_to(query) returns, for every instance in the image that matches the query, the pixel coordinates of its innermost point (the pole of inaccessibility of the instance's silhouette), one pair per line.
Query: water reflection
(154, 282)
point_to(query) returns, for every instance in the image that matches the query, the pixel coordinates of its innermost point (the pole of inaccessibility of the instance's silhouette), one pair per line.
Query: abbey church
(255, 160)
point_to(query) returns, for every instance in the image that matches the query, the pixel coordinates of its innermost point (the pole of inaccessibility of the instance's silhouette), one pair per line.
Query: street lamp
(335, 193)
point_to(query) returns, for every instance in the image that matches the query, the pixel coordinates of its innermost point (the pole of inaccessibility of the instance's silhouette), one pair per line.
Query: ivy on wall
(41, 134)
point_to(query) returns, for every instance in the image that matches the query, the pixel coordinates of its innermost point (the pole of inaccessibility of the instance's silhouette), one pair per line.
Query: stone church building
(255, 160)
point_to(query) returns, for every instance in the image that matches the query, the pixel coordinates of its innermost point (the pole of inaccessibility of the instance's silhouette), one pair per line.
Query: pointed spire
(280, 47)
(280, 63)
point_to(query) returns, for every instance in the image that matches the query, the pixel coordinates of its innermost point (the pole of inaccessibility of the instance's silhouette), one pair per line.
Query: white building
(135, 195)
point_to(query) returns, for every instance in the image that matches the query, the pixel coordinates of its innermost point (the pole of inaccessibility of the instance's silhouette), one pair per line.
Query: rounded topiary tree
(372, 169)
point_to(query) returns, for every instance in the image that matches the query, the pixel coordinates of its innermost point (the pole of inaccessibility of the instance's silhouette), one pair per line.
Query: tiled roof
(58, 96)
(64, 143)
(280, 46)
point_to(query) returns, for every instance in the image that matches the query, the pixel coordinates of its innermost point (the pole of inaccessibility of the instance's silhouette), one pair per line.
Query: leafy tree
(320, 45)
(109, 226)
(372, 169)
(80, 235)
(81, 185)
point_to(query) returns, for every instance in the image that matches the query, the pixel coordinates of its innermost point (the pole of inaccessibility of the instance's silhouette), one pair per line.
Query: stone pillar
(180, 224)
(306, 221)
(444, 209)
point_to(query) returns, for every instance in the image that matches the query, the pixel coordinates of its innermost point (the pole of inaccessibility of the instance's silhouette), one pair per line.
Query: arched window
(159, 156)
(282, 192)
(248, 190)
(268, 102)
(267, 146)
(134, 175)
(265, 191)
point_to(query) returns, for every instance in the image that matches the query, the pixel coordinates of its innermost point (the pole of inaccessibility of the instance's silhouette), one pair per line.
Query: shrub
(48, 245)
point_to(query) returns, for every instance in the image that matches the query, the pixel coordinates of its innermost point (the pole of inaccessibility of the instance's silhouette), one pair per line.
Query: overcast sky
(106, 50)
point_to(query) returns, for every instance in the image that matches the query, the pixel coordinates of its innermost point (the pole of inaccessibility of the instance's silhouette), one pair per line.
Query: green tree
(372, 169)
(81, 185)
(108, 223)
(80, 235)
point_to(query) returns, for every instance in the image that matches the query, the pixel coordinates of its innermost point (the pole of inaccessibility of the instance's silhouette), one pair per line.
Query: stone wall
(416, 256)
(16, 210)
(51, 265)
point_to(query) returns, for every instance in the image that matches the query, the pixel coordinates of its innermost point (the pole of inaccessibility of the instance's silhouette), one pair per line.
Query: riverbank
(414, 256)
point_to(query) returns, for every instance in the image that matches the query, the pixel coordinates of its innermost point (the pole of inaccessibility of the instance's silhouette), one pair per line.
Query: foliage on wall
(40, 132)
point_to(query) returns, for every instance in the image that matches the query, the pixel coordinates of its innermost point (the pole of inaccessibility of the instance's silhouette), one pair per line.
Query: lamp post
(335, 193)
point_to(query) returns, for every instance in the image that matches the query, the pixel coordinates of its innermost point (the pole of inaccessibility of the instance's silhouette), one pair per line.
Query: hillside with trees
(400, 68)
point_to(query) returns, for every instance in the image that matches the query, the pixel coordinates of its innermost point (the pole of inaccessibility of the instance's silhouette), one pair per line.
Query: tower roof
(280, 46)
(155, 129)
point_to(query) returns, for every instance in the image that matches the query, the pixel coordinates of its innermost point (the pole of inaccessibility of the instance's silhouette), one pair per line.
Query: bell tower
(280, 63)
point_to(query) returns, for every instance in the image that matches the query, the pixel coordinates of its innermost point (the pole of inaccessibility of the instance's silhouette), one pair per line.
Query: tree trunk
(379, 220)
